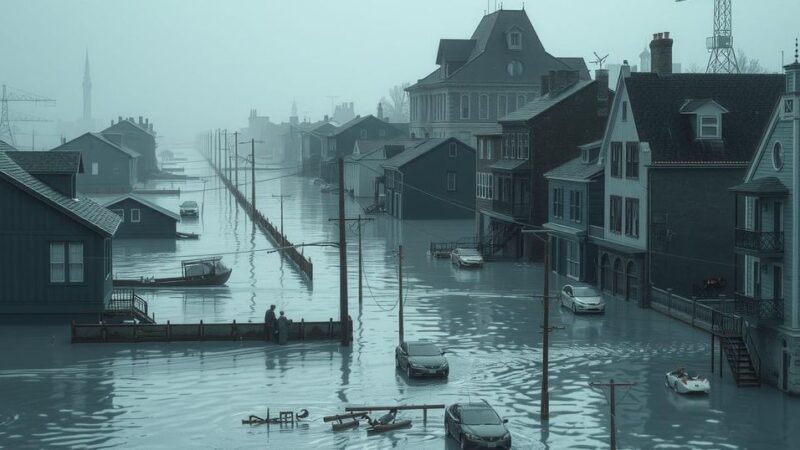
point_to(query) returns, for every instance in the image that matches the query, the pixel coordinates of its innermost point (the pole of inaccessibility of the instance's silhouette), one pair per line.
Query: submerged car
(683, 382)
(582, 299)
(466, 257)
(189, 208)
(421, 358)
(476, 425)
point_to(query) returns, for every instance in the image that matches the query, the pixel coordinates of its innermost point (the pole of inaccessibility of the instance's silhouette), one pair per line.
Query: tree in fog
(747, 64)
(396, 106)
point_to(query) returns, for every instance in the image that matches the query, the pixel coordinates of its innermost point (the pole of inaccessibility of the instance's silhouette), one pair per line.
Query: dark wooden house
(139, 137)
(433, 180)
(342, 140)
(142, 218)
(56, 244)
(110, 167)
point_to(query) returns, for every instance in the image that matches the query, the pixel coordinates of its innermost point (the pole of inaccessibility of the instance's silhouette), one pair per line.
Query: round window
(514, 68)
(777, 156)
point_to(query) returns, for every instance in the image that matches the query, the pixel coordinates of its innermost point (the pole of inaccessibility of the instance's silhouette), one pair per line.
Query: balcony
(758, 243)
(759, 308)
(517, 210)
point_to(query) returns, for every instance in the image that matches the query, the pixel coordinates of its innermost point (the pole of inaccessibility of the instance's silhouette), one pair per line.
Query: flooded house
(56, 243)
(484, 78)
(314, 137)
(673, 146)
(143, 219)
(363, 171)
(139, 137)
(110, 166)
(766, 236)
(341, 141)
(433, 180)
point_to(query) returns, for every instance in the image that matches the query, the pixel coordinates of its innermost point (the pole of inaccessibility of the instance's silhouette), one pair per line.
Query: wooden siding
(116, 174)
(152, 224)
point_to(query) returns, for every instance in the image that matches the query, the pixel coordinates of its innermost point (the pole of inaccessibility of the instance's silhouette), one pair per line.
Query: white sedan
(466, 257)
(582, 299)
(684, 383)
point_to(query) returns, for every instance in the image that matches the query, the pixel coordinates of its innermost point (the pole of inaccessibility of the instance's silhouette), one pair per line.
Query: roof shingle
(67, 162)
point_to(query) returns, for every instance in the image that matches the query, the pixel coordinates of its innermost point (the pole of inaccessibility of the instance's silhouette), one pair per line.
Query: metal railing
(759, 241)
(126, 300)
(765, 309)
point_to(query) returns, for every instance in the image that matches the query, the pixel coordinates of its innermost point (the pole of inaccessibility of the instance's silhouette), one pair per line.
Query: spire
(294, 108)
(87, 90)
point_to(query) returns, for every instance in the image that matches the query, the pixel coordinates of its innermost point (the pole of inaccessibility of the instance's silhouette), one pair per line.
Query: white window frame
(575, 206)
(524, 146)
(504, 110)
(777, 149)
(463, 109)
(95, 168)
(521, 100)
(452, 182)
(76, 266)
(511, 38)
(701, 126)
(483, 106)
(136, 215)
(573, 260)
(58, 262)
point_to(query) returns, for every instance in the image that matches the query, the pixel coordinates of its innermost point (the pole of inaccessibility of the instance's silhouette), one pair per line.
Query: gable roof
(762, 186)
(66, 162)
(576, 63)
(541, 104)
(692, 105)
(656, 101)
(416, 151)
(120, 148)
(130, 124)
(575, 170)
(5, 146)
(82, 209)
(143, 202)
(369, 147)
(358, 120)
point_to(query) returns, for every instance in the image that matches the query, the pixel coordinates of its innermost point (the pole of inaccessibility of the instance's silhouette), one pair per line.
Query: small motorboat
(196, 273)
(683, 382)
(184, 235)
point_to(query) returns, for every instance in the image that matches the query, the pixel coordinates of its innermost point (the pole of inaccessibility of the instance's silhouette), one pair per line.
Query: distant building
(644, 60)
(483, 78)
(56, 256)
(433, 180)
(341, 141)
(344, 112)
(110, 167)
(314, 138)
(139, 137)
(86, 123)
(766, 240)
(363, 167)
(142, 218)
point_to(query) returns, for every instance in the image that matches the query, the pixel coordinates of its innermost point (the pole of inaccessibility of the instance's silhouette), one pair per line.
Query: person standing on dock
(283, 329)
(271, 322)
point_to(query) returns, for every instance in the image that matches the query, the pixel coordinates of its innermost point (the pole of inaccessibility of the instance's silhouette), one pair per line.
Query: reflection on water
(168, 395)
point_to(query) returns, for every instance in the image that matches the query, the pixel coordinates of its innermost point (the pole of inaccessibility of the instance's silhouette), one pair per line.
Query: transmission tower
(722, 57)
(17, 95)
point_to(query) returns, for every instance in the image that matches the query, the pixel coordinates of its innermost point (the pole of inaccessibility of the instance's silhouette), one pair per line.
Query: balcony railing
(759, 308)
(759, 241)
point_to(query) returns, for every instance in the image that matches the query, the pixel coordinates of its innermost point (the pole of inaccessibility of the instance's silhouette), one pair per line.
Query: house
(314, 137)
(363, 166)
(341, 141)
(673, 146)
(484, 78)
(433, 180)
(576, 204)
(538, 137)
(139, 137)
(142, 218)
(56, 256)
(111, 167)
(766, 236)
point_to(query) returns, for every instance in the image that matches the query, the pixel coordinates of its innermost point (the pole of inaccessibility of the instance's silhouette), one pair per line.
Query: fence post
(669, 300)
(201, 330)
(694, 308)
(302, 329)
(234, 330)
(330, 328)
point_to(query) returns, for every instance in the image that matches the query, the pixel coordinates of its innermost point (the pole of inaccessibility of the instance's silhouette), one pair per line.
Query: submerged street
(196, 394)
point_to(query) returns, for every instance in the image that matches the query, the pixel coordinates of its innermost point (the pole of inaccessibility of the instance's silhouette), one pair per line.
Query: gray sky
(193, 65)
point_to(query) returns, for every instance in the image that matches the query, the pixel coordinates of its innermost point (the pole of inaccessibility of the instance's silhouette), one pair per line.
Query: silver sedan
(582, 299)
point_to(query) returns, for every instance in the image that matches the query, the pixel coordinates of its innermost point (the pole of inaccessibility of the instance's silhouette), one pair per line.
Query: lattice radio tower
(16, 95)
(722, 57)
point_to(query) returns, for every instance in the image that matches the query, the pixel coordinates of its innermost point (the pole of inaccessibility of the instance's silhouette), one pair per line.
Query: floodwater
(53, 394)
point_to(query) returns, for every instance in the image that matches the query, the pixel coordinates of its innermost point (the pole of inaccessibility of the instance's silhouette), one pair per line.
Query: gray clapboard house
(139, 137)
(56, 243)
(110, 167)
(142, 218)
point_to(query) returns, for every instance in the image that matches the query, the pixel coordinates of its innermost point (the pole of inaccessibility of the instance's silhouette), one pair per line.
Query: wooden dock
(107, 332)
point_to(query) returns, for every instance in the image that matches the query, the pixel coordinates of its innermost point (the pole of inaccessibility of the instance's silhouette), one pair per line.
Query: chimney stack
(141, 122)
(625, 70)
(63, 140)
(119, 119)
(601, 80)
(661, 54)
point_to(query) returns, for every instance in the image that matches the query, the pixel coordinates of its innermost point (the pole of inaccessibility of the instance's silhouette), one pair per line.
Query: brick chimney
(601, 80)
(661, 54)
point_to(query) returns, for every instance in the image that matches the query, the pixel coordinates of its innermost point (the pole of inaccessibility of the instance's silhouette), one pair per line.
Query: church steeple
(293, 119)
(87, 90)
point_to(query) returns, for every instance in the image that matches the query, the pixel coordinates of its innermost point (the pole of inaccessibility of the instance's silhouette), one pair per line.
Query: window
(120, 213)
(363, 134)
(512, 145)
(465, 106)
(515, 68)
(451, 181)
(585, 155)
(515, 40)
(524, 149)
(75, 262)
(632, 217)
(575, 206)
(573, 259)
(502, 105)
(624, 111)
(483, 106)
(484, 188)
(777, 156)
(489, 144)
(136, 215)
(490, 184)
(481, 146)
(558, 202)
(95, 168)
(709, 126)
(632, 159)
(615, 214)
(57, 263)
(452, 150)
(616, 159)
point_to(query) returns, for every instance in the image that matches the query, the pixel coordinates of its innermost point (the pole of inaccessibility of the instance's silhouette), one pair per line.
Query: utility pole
(360, 259)
(227, 157)
(253, 171)
(400, 300)
(236, 158)
(345, 322)
(612, 403)
(282, 197)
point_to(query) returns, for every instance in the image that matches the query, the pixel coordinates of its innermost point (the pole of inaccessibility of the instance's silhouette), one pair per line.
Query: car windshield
(479, 417)
(189, 204)
(423, 350)
(584, 292)
(468, 252)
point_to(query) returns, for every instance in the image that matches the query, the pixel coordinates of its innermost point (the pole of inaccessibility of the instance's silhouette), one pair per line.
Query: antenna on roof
(599, 60)
(795, 49)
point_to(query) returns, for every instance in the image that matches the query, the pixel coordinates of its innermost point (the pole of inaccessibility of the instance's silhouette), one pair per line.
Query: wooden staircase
(745, 372)
(125, 304)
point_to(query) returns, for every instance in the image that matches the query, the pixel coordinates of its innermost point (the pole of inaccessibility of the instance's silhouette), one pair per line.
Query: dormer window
(514, 37)
(709, 127)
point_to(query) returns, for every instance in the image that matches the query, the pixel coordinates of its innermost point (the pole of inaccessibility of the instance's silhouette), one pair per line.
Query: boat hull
(205, 281)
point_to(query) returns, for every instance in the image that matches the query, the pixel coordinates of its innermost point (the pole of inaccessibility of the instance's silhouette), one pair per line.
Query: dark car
(476, 425)
(421, 358)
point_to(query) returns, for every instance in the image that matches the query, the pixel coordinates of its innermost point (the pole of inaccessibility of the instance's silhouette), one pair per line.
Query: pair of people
(277, 327)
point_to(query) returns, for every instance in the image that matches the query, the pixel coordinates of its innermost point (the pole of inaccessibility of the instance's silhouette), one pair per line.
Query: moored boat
(196, 273)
